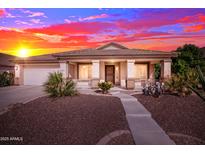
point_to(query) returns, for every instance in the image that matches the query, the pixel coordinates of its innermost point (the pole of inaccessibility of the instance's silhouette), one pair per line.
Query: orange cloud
(193, 19)
(195, 28)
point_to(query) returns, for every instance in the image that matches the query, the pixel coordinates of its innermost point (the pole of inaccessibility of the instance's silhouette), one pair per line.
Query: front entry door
(110, 73)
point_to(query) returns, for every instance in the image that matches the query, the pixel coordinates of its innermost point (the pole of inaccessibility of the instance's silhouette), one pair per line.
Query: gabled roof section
(111, 45)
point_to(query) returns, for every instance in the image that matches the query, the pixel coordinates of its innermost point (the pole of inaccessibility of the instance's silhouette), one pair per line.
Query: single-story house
(5, 64)
(125, 67)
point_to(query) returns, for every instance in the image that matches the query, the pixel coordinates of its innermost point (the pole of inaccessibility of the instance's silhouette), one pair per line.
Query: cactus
(202, 82)
(197, 92)
(201, 77)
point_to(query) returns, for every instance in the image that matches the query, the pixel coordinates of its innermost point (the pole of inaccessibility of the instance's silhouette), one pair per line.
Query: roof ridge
(111, 43)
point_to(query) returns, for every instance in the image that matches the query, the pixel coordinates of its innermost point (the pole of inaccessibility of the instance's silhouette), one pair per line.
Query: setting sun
(23, 52)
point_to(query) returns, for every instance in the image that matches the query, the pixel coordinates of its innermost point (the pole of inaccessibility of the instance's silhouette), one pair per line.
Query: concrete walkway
(145, 130)
(88, 90)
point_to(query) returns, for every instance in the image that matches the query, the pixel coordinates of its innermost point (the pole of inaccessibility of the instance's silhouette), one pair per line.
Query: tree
(187, 67)
(189, 56)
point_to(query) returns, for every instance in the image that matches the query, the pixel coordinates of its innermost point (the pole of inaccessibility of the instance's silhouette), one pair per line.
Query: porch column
(123, 74)
(18, 80)
(165, 68)
(64, 68)
(130, 74)
(151, 71)
(95, 73)
(102, 71)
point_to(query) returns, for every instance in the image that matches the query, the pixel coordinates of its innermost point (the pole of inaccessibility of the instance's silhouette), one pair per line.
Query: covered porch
(125, 73)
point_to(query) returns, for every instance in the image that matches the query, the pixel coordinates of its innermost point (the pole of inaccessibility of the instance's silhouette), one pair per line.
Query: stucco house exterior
(127, 68)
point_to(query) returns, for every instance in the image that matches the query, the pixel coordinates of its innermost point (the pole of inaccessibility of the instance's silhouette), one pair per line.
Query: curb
(106, 139)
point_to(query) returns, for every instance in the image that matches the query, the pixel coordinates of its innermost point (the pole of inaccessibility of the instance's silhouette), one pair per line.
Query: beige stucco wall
(151, 71)
(111, 48)
(117, 73)
(123, 74)
(165, 69)
(52, 65)
(96, 69)
(71, 71)
(75, 71)
(64, 68)
(102, 71)
(19, 74)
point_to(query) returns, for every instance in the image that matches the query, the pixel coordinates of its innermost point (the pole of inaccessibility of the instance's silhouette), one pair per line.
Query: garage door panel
(37, 76)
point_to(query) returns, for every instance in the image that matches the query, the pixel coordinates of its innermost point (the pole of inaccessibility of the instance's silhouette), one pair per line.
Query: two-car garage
(38, 74)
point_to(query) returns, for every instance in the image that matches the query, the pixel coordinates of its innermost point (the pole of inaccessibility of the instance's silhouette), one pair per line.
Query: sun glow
(23, 52)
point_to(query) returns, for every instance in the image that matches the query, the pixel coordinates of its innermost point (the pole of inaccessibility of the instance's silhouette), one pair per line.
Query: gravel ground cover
(183, 118)
(82, 119)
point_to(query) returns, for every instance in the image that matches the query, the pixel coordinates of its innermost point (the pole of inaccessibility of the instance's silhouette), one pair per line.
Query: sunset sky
(42, 31)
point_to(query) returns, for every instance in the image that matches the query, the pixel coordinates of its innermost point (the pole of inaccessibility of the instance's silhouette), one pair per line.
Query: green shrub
(69, 88)
(176, 85)
(180, 84)
(6, 79)
(201, 77)
(189, 56)
(57, 86)
(105, 86)
(157, 70)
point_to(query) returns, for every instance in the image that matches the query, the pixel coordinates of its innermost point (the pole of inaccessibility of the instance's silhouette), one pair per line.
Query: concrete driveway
(19, 94)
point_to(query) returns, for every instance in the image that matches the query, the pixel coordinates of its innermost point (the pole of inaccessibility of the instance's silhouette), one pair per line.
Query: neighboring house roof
(41, 58)
(5, 60)
(110, 50)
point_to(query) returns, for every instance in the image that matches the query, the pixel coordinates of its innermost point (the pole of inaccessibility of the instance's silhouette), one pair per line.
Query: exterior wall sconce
(16, 67)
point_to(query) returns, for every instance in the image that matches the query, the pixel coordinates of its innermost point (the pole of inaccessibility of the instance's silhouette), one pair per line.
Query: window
(141, 71)
(85, 71)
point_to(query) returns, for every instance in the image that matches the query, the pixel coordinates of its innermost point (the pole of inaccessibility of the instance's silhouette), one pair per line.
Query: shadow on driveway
(19, 94)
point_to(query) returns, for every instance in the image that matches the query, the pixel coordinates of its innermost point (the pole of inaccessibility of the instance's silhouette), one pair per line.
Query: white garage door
(37, 76)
